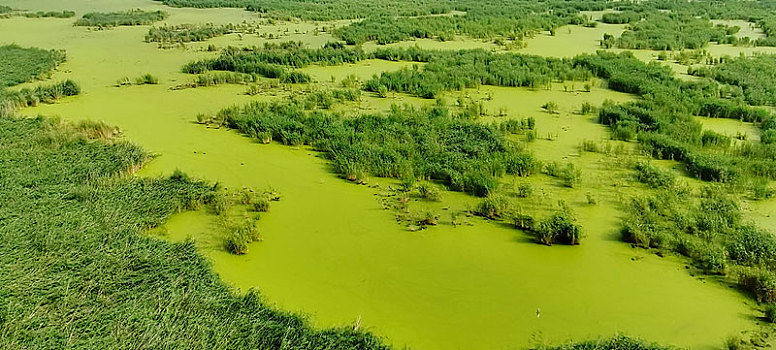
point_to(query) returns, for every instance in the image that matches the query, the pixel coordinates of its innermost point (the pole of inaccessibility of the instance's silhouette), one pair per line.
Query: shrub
(240, 235)
(146, 79)
(524, 190)
(761, 283)
(429, 191)
(560, 227)
(551, 107)
(770, 312)
(125, 18)
(493, 207)
(654, 176)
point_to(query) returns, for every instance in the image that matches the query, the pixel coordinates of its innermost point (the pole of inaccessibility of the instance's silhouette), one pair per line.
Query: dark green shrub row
(47, 14)
(455, 70)
(622, 17)
(185, 33)
(430, 143)
(663, 119)
(123, 18)
(672, 31)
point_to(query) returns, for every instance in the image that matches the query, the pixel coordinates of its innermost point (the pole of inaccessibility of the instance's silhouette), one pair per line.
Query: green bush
(493, 207)
(124, 18)
(560, 227)
(770, 312)
(654, 176)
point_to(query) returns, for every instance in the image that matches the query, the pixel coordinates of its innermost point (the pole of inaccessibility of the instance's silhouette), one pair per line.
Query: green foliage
(524, 190)
(239, 235)
(19, 65)
(430, 143)
(185, 33)
(551, 107)
(570, 175)
(755, 75)
(663, 118)
(710, 232)
(622, 17)
(429, 191)
(71, 243)
(617, 343)
(759, 282)
(49, 14)
(494, 206)
(560, 227)
(12, 100)
(654, 176)
(147, 79)
(123, 18)
(770, 312)
(455, 70)
(660, 31)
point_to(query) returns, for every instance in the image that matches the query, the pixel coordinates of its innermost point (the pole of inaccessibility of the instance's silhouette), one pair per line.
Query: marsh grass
(461, 154)
(124, 18)
(71, 221)
(560, 227)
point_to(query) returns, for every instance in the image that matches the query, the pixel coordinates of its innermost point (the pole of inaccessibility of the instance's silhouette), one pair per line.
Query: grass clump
(493, 207)
(654, 176)
(241, 234)
(560, 227)
(569, 174)
(429, 191)
(123, 18)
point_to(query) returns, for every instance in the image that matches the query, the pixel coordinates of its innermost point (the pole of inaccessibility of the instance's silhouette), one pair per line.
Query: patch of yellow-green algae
(330, 250)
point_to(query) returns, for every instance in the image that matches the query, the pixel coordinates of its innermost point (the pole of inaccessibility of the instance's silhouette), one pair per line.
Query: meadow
(365, 175)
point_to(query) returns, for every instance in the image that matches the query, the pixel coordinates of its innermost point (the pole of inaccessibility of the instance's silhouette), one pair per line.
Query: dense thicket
(455, 70)
(756, 76)
(185, 33)
(123, 18)
(19, 65)
(272, 60)
(429, 143)
(670, 31)
(47, 14)
(622, 17)
(290, 54)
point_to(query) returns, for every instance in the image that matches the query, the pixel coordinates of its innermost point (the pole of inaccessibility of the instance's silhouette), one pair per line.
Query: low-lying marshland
(401, 255)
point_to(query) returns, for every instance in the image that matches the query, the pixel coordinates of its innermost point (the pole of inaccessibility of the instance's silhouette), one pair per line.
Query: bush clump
(560, 227)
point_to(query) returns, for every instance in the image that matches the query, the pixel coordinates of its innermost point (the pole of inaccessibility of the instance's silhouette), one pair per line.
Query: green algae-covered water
(331, 251)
